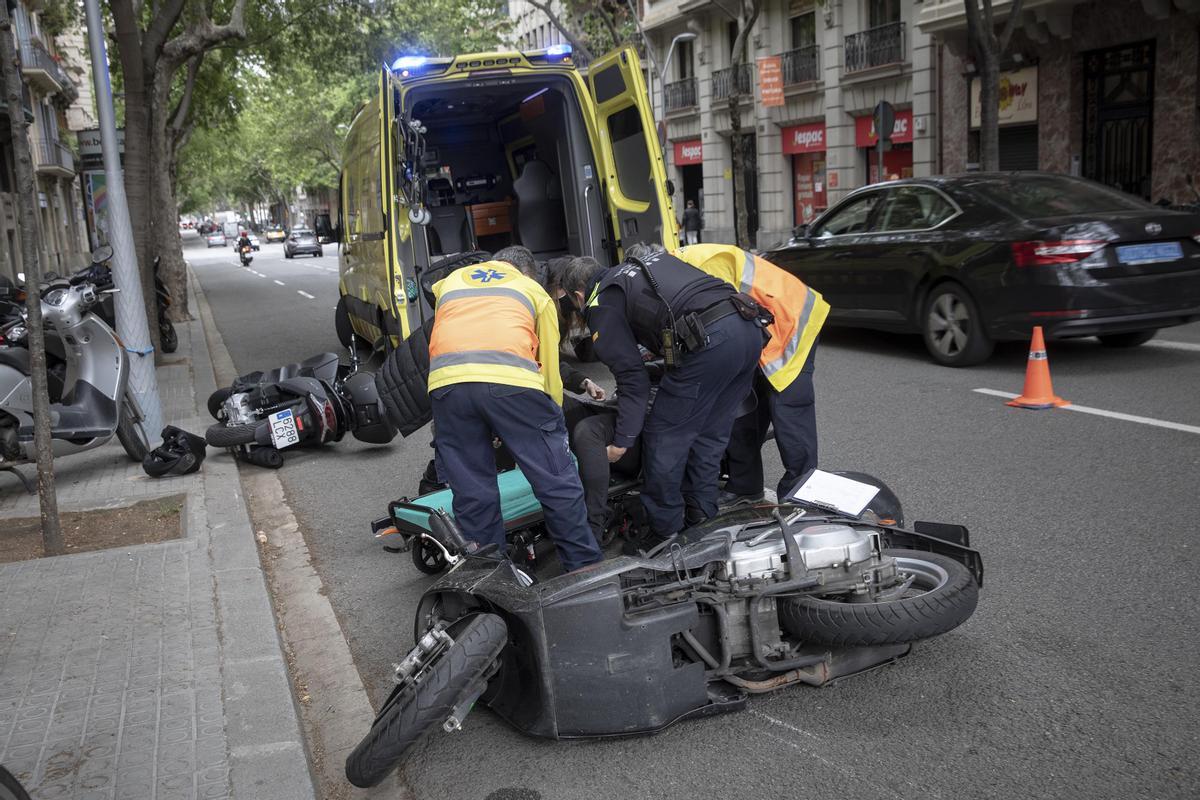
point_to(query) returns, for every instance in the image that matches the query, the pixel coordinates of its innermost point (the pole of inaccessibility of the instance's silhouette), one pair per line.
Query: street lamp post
(686, 36)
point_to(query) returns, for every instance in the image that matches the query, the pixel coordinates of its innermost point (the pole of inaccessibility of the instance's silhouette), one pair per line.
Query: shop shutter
(1019, 148)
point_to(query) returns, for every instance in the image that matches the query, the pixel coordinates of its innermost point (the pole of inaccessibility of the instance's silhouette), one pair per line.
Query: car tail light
(1067, 251)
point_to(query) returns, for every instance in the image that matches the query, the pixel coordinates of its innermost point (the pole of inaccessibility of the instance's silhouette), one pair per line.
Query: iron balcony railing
(801, 65)
(734, 80)
(53, 153)
(875, 47)
(680, 94)
(35, 57)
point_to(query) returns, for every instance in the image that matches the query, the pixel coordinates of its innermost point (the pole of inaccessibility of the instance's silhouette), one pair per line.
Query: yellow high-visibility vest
(494, 325)
(799, 311)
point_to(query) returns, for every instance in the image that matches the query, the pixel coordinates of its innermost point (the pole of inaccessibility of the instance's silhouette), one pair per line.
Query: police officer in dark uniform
(710, 338)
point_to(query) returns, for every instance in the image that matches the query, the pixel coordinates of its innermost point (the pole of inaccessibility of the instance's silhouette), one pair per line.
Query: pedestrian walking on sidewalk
(693, 223)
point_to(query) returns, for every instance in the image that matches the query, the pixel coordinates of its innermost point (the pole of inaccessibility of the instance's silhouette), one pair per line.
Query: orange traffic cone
(1039, 392)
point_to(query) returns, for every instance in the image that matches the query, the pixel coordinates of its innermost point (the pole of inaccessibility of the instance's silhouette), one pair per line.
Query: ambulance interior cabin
(509, 162)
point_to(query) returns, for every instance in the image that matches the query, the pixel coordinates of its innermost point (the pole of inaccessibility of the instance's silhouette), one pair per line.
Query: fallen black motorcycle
(755, 600)
(314, 402)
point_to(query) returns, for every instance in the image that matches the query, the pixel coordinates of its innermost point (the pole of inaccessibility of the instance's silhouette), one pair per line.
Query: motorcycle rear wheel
(168, 337)
(131, 433)
(416, 707)
(222, 435)
(943, 595)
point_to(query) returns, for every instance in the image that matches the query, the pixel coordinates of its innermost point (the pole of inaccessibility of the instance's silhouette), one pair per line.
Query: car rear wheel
(1132, 339)
(953, 328)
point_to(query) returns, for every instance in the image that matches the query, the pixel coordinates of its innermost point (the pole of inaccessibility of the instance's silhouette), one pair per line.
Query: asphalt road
(1075, 678)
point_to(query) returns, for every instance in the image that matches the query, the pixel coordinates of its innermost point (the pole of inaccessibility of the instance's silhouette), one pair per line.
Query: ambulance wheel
(427, 558)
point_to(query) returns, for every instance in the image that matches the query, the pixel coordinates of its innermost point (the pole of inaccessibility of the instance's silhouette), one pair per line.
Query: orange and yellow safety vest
(494, 325)
(799, 311)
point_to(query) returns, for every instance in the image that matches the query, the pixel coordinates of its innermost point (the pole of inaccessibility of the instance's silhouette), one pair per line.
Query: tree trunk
(989, 114)
(165, 240)
(745, 22)
(988, 47)
(741, 223)
(52, 543)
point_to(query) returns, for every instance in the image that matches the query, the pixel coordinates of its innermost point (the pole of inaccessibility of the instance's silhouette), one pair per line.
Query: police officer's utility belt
(691, 330)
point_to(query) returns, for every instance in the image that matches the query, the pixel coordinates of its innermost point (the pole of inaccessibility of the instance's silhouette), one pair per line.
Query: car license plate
(1149, 253)
(283, 429)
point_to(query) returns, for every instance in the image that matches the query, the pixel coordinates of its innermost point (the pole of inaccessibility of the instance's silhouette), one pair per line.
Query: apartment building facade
(1105, 89)
(54, 68)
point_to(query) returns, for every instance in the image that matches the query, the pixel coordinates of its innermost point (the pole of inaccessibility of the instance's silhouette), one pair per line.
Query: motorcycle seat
(322, 367)
(15, 357)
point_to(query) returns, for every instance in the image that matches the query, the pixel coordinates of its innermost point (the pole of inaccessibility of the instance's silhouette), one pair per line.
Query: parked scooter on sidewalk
(316, 401)
(167, 337)
(96, 403)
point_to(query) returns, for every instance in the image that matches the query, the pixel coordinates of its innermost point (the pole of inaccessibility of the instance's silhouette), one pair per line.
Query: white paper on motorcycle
(283, 429)
(844, 495)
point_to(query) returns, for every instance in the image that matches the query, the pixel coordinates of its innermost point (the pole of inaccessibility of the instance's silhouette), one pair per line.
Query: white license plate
(1149, 253)
(283, 429)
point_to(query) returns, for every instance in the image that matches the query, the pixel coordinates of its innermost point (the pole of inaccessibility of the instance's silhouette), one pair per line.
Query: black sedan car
(968, 260)
(301, 241)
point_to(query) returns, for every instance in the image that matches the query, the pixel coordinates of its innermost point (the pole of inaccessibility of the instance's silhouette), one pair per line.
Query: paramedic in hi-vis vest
(784, 382)
(493, 371)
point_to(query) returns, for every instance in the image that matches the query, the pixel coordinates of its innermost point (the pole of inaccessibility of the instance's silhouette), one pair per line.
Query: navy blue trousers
(688, 427)
(467, 416)
(793, 412)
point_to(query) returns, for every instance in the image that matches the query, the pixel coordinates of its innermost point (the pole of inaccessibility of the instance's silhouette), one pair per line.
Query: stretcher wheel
(427, 558)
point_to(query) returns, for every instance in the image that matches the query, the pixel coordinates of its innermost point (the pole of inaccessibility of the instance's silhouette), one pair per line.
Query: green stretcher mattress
(517, 502)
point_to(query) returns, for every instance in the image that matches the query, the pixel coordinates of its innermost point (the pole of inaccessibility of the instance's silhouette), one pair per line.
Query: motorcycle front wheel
(131, 433)
(941, 596)
(415, 707)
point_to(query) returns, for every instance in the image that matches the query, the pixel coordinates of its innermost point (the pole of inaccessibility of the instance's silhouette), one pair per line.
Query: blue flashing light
(408, 63)
(558, 50)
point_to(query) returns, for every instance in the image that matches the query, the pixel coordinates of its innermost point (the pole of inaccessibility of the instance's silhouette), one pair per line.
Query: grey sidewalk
(152, 671)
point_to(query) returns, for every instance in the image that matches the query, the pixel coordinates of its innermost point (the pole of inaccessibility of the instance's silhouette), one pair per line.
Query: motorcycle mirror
(102, 254)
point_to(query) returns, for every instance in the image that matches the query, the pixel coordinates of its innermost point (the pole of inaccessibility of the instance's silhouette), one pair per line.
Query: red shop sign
(864, 130)
(689, 152)
(808, 138)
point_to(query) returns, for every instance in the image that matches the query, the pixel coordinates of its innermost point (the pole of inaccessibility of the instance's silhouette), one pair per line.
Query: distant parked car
(301, 241)
(971, 259)
(215, 238)
(275, 233)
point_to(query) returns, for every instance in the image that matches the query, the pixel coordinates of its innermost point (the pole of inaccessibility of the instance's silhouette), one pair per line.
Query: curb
(267, 755)
(334, 708)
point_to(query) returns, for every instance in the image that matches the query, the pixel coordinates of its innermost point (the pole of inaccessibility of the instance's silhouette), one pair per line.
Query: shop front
(1017, 117)
(897, 161)
(689, 161)
(804, 145)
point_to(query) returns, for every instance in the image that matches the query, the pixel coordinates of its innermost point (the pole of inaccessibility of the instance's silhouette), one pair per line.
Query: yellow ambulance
(478, 152)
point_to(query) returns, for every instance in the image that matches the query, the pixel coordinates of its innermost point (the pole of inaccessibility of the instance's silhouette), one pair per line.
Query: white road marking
(306, 294)
(1100, 412)
(1168, 345)
(281, 283)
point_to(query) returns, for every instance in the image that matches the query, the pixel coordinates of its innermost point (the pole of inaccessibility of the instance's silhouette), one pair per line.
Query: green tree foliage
(277, 119)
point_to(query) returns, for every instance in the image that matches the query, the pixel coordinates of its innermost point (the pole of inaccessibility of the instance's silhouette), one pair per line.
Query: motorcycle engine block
(238, 409)
(846, 559)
